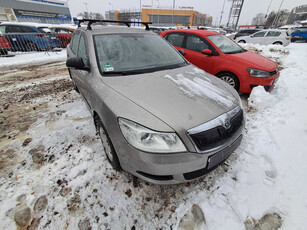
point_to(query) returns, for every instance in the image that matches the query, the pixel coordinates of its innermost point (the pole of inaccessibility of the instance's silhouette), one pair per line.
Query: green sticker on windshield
(107, 67)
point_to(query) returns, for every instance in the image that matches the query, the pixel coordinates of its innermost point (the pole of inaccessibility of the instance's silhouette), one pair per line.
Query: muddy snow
(54, 174)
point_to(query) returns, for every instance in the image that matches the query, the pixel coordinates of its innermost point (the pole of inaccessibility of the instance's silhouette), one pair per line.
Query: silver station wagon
(159, 117)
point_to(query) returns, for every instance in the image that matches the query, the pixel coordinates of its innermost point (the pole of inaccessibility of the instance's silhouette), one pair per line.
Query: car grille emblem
(227, 124)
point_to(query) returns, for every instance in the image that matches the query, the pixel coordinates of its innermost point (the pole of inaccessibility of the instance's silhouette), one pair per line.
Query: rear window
(273, 34)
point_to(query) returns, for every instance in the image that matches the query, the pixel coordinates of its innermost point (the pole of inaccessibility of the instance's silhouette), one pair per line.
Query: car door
(81, 76)
(258, 38)
(193, 47)
(272, 36)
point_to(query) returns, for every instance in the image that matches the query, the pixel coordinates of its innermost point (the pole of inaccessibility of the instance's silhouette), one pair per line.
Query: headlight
(258, 73)
(148, 140)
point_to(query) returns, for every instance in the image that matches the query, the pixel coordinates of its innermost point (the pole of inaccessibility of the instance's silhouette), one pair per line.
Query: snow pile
(268, 175)
(259, 99)
(32, 57)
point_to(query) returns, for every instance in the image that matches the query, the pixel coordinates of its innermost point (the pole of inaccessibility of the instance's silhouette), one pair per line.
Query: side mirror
(77, 63)
(182, 52)
(207, 52)
(251, 36)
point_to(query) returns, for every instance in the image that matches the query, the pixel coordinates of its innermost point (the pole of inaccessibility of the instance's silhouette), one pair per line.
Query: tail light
(42, 35)
(4, 42)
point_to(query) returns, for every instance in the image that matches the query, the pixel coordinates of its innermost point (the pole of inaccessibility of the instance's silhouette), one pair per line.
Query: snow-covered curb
(33, 57)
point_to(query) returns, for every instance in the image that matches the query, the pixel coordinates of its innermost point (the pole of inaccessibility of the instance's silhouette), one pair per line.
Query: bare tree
(91, 15)
(282, 18)
(270, 18)
(259, 19)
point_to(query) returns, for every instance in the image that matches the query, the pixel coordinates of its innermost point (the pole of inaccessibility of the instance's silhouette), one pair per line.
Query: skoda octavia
(159, 117)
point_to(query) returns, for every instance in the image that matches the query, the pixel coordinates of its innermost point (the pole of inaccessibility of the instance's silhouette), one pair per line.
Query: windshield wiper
(122, 72)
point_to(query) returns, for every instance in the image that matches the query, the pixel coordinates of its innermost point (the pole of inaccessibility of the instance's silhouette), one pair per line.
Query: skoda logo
(227, 123)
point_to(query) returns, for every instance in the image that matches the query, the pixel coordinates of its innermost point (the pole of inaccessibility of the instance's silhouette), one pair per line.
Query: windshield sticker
(107, 67)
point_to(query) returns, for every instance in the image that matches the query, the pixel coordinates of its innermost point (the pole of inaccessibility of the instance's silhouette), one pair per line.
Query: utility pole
(158, 12)
(266, 15)
(173, 12)
(86, 6)
(222, 12)
(277, 15)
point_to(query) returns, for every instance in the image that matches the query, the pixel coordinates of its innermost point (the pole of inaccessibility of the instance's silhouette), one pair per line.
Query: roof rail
(91, 21)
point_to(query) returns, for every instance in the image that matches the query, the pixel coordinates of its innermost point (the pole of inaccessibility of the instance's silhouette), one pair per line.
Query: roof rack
(91, 21)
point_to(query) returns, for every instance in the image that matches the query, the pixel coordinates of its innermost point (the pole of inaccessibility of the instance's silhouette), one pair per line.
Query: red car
(63, 33)
(222, 57)
(5, 45)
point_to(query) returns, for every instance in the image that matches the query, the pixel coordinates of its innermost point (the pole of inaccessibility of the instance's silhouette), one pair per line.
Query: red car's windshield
(226, 45)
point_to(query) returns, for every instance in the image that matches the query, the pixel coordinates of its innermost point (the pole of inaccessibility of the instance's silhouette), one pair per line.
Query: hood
(253, 60)
(183, 98)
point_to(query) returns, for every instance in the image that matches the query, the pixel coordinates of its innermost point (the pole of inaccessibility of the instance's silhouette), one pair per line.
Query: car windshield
(135, 53)
(226, 45)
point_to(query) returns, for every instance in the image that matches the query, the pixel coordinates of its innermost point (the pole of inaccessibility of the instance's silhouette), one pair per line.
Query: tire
(277, 43)
(231, 79)
(30, 46)
(3, 52)
(241, 41)
(75, 87)
(107, 145)
(74, 84)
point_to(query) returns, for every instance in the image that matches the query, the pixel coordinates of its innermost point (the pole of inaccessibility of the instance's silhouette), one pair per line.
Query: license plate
(297, 36)
(53, 37)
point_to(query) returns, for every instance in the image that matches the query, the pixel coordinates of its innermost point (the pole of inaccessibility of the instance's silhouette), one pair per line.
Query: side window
(26, 29)
(175, 39)
(196, 44)
(259, 34)
(74, 42)
(2, 29)
(14, 29)
(273, 34)
(82, 50)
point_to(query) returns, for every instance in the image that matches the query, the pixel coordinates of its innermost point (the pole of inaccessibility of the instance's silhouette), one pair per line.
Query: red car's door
(193, 47)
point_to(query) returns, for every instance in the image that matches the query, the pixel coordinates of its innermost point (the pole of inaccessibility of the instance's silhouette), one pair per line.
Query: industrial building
(41, 11)
(298, 14)
(163, 16)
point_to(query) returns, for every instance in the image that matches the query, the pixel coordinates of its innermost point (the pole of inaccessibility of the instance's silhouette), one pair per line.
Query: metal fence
(15, 43)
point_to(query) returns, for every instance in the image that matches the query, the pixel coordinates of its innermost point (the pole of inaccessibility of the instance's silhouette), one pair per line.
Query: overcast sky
(211, 7)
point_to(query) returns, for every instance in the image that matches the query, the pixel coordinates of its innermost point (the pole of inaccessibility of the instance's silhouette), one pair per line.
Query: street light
(111, 5)
(158, 12)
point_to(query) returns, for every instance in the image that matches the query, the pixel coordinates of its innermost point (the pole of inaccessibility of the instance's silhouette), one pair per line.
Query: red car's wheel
(231, 79)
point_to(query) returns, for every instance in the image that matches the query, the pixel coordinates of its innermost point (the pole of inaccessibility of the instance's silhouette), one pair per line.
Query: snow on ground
(32, 58)
(65, 162)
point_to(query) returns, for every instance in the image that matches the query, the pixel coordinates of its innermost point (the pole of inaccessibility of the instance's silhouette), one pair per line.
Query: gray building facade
(40, 11)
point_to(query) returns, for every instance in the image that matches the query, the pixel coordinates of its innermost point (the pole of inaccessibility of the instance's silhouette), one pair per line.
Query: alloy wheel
(229, 80)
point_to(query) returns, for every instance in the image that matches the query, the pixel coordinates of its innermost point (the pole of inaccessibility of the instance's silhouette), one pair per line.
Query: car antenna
(91, 21)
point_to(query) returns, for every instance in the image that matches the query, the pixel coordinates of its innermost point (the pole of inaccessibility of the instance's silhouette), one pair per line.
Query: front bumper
(267, 83)
(176, 168)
